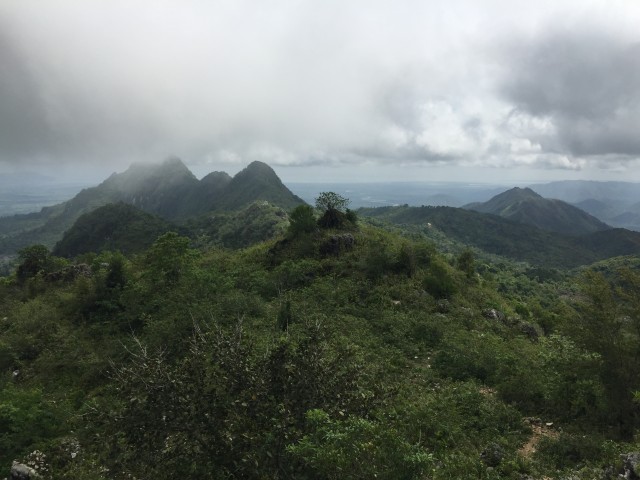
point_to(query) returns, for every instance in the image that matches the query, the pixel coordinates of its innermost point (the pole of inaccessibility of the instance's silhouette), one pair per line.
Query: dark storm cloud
(587, 85)
(23, 116)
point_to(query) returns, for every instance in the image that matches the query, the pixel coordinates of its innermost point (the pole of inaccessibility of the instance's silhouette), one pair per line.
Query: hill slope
(501, 236)
(523, 205)
(112, 227)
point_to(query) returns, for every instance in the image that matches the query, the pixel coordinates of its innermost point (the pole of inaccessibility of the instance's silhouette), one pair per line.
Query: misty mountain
(523, 205)
(502, 236)
(574, 191)
(615, 203)
(168, 190)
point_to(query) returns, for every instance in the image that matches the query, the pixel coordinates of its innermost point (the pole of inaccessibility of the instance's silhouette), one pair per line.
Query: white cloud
(295, 82)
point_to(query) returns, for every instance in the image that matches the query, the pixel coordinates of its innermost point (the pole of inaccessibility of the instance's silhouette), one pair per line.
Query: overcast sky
(483, 90)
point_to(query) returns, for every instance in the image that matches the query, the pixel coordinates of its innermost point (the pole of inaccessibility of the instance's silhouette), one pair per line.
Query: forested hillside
(505, 237)
(337, 349)
(523, 205)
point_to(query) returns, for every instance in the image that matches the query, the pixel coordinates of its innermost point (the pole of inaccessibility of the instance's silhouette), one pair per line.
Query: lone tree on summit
(334, 209)
(331, 201)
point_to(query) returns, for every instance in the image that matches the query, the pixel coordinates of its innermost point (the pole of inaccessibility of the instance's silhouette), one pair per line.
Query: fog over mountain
(490, 91)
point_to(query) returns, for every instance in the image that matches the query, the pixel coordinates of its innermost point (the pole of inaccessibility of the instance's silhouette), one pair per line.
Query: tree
(34, 259)
(301, 220)
(333, 208)
(169, 258)
(331, 201)
(466, 262)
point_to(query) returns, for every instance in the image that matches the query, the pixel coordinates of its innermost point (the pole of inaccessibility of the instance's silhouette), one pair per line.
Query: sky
(332, 90)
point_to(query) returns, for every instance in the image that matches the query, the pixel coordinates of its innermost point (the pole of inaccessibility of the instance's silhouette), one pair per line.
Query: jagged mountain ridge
(523, 205)
(168, 190)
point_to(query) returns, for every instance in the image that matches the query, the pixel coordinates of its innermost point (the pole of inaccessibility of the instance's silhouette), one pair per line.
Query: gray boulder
(631, 464)
(20, 471)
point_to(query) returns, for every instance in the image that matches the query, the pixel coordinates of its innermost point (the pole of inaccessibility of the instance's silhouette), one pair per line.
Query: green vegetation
(327, 352)
(523, 205)
(115, 227)
(507, 238)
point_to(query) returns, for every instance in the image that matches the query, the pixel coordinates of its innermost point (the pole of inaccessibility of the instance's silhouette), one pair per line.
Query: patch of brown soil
(538, 431)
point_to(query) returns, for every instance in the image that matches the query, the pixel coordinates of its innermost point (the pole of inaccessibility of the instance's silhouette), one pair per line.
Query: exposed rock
(631, 464)
(70, 273)
(443, 306)
(336, 244)
(529, 331)
(493, 314)
(20, 471)
(492, 455)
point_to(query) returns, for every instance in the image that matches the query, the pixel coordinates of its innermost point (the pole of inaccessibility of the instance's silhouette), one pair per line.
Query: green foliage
(112, 227)
(357, 448)
(500, 236)
(301, 221)
(33, 260)
(609, 324)
(439, 281)
(333, 209)
(331, 201)
(168, 259)
(466, 263)
(277, 361)
(27, 419)
(253, 224)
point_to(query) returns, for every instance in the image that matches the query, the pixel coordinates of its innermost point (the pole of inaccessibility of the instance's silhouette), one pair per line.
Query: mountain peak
(519, 193)
(261, 169)
(523, 205)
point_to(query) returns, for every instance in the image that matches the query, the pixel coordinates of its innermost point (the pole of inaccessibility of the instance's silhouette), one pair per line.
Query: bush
(438, 281)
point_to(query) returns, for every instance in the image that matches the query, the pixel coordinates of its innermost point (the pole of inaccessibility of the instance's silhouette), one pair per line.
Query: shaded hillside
(523, 205)
(114, 227)
(612, 243)
(505, 237)
(168, 190)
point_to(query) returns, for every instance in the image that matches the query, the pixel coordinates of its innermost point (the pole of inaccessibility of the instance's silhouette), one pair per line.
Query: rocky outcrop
(336, 244)
(631, 465)
(493, 314)
(20, 471)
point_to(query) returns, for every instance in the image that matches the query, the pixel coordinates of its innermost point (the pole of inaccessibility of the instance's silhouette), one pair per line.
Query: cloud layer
(294, 82)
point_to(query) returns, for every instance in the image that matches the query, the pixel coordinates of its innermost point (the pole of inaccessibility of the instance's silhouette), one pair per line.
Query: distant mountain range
(168, 190)
(615, 203)
(502, 236)
(523, 205)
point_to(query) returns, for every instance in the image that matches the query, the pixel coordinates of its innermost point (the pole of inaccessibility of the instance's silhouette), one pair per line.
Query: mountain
(505, 237)
(523, 205)
(158, 189)
(257, 182)
(602, 209)
(112, 227)
(615, 203)
(575, 191)
(168, 190)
